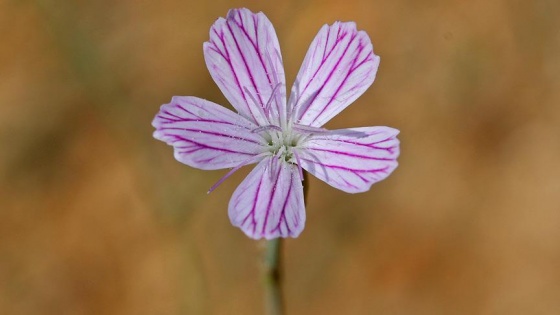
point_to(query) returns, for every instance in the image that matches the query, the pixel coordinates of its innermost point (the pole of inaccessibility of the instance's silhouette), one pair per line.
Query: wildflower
(283, 136)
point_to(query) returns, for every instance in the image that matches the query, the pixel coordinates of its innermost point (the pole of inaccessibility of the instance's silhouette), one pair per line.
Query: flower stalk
(272, 277)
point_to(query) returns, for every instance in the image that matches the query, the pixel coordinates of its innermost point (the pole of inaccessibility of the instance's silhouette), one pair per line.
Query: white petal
(351, 159)
(206, 135)
(339, 67)
(269, 202)
(244, 59)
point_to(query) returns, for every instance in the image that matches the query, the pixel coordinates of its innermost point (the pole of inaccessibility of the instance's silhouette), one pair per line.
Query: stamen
(299, 165)
(272, 95)
(257, 104)
(251, 96)
(276, 83)
(309, 129)
(233, 170)
(266, 128)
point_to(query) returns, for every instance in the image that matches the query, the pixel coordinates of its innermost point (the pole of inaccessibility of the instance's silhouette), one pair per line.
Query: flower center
(281, 143)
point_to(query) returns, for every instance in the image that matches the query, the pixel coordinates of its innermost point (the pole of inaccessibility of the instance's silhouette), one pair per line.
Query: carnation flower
(283, 136)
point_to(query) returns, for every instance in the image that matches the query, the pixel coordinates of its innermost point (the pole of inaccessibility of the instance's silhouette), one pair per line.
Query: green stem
(272, 279)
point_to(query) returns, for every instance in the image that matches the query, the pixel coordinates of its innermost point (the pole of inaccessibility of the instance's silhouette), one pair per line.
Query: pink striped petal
(351, 159)
(206, 135)
(339, 67)
(269, 202)
(244, 59)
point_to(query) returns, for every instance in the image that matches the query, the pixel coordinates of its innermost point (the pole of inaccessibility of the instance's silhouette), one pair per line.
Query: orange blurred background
(96, 216)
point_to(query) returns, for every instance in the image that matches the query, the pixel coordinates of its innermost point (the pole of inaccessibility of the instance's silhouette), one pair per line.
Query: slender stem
(272, 275)
(272, 279)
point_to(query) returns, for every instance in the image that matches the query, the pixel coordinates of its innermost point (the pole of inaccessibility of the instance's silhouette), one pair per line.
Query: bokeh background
(96, 217)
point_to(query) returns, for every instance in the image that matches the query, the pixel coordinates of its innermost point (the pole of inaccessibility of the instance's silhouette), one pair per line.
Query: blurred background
(96, 216)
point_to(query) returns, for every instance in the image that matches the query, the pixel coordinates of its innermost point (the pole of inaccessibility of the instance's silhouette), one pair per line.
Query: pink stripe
(351, 154)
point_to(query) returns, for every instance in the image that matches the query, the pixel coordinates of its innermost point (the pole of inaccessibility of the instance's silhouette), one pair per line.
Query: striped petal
(339, 67)
(351, 159)
(244, 59)
(206, 135)
(269, 202)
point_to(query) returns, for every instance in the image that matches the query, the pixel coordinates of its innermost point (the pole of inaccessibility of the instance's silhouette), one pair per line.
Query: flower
(282, 135)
